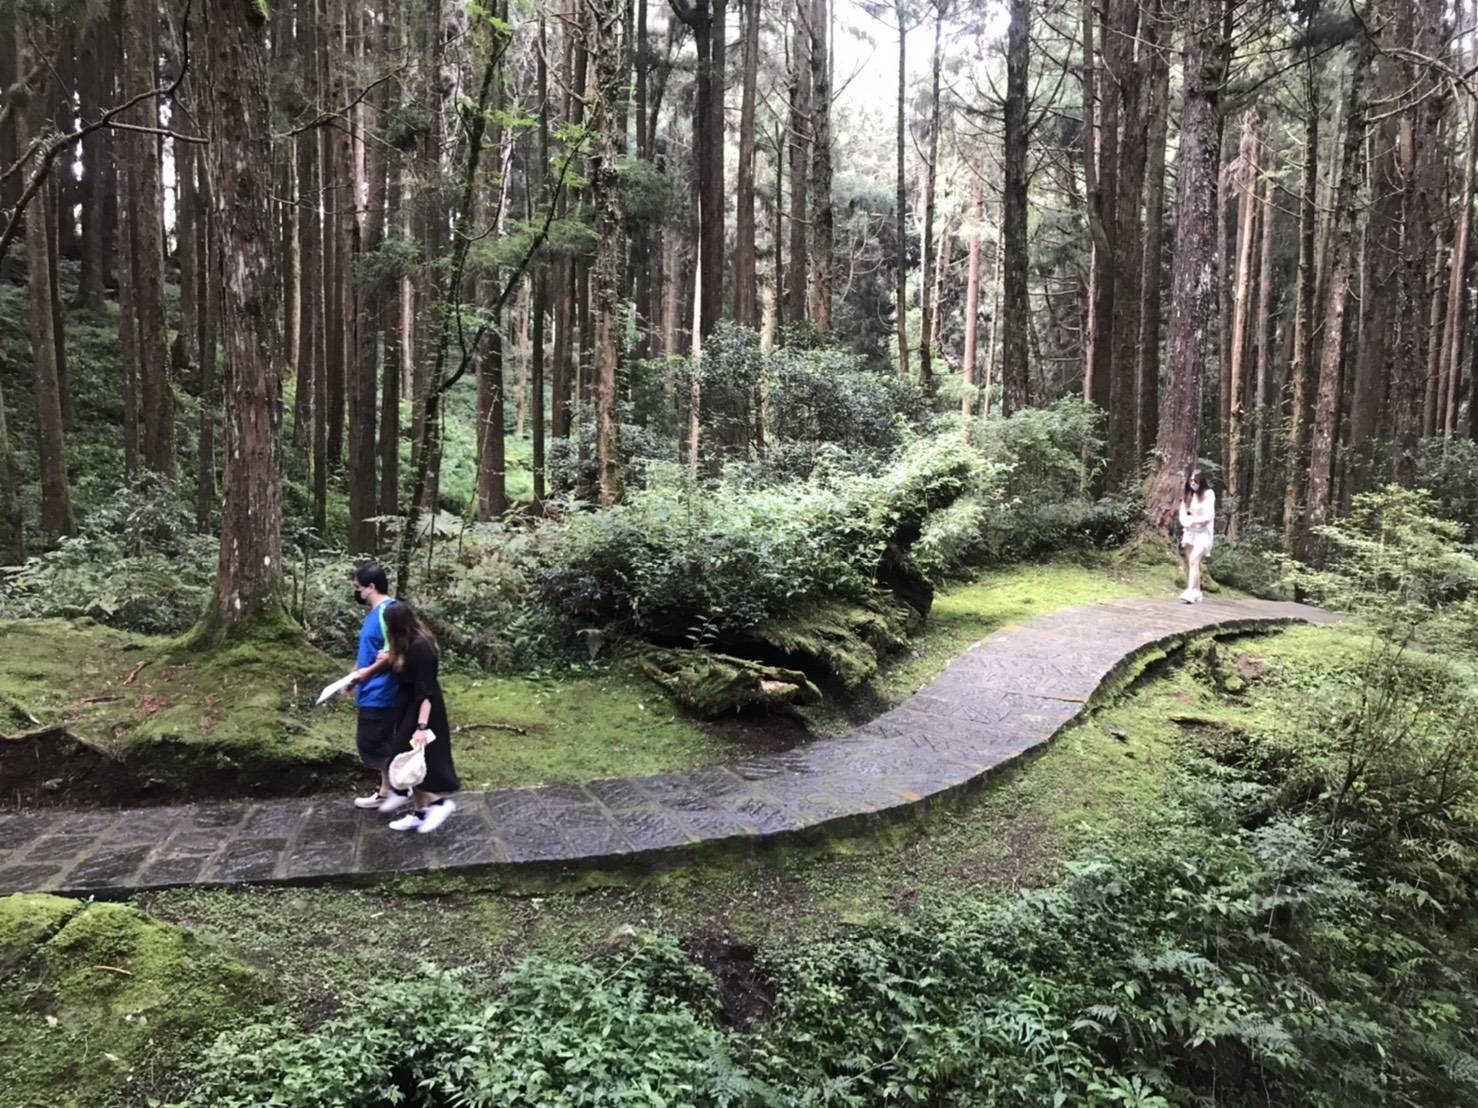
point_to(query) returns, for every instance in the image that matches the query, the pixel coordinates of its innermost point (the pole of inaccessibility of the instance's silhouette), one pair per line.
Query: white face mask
(1195, 486)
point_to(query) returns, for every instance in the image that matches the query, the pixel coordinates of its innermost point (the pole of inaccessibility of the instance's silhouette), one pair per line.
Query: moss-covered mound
(91, 714)
(98, 1000)
(712, 685)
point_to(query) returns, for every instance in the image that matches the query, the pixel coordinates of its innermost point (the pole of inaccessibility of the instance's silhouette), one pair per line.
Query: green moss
(838, 639)
(114, 1001)
(711, 684)
(27, 919)
(614, 723)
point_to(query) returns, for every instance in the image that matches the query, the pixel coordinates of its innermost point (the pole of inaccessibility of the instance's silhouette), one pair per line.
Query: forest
(720, 387)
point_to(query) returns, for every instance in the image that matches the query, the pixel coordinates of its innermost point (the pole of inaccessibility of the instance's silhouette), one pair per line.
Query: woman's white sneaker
(372, 801)
(392, 803)
(436, 815)
(411, 821)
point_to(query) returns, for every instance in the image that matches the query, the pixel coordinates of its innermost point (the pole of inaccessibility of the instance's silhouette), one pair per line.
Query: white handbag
(408, 769)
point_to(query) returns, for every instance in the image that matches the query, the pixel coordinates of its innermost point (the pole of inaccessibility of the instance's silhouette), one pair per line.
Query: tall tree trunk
(801, 128)
(1300, 399)
(931, 179)
(1326, 410)
(1100, 174)
(251, 545)
(94, 87)
(900, 209)
(1194, 268)
(1129, 249)
(822, 218)
(972, 292)
(367, 236)
(1265, 328)
(51, 438)
(746, 279)
(1457, 300)
(12, 519)
(146, 227)
(207, 299)
(541, 280)
(1247, 213)
(606, 195)
(1015, 314)
(1147, 358)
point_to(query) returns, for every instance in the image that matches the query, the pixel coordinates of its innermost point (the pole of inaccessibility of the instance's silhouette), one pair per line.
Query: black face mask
(360, 598)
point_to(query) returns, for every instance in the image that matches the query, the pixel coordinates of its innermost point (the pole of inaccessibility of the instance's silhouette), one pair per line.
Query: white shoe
(411, 821)
(1185, 597)
(393, 803)
(1196, 597)
(436, 815)
(372, 801)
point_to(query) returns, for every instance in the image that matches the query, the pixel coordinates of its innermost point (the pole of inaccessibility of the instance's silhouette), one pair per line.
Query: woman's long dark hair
(403, 627)
(1194, 475)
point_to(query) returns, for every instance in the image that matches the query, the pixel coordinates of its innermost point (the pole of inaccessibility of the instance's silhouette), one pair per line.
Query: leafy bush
(137, 564)
(676, 553)
(637, 1027)
(1251, 562)
(1448, 468)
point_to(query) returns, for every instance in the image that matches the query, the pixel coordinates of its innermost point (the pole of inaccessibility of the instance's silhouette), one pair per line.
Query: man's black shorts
(375, 736)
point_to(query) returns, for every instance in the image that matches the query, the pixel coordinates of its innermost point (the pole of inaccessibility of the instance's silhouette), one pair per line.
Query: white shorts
(1198, 542)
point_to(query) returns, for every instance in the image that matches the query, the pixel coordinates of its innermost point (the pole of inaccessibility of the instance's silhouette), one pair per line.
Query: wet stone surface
(999, 699)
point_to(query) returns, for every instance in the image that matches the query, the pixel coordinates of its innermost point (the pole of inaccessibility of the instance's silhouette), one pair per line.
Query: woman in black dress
(421, 713)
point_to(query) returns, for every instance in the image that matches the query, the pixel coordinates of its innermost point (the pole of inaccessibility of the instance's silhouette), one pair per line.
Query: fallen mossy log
(834, 639)
(712, 685)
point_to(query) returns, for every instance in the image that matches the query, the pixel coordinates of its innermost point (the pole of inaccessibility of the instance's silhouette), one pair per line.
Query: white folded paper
(334, 689)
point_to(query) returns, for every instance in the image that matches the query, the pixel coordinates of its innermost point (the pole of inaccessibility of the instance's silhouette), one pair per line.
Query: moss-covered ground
(243, 719)
(320, 946)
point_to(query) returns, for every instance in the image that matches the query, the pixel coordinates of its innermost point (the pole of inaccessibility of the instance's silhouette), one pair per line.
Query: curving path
(1004, 696)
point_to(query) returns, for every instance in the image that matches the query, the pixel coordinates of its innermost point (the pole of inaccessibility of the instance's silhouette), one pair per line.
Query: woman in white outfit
(1197, 531)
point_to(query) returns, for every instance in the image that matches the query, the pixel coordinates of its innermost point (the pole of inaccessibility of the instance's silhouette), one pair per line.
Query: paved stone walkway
(1004, 696)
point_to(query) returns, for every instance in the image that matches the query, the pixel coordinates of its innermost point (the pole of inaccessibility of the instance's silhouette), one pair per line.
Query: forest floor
(151, 725)
(311, 951)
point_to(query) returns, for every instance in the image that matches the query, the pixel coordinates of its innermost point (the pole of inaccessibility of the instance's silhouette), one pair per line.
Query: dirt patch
(760, 734)
(746, 994)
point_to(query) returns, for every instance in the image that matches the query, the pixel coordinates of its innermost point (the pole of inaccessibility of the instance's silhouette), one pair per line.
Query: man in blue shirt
(375, 698)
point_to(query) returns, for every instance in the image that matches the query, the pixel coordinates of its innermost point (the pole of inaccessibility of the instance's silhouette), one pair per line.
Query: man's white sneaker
(393, 803)
(411, 821)
(436, 815)
(372, 801)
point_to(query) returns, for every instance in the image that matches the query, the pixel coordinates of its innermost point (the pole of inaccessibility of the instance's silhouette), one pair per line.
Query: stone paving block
(247, 860)
(28, 878)
(143, 825)
(318, 859)
(107, 867)
(83, 823)
(170, 868)
(18, 830)
(58, 848)
(274, 819)
(588, 828)
(386, 851)
(216, 817)
(654, 828)
(618, 794)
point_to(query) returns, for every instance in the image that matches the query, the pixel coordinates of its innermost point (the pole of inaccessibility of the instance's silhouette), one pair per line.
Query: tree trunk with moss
(250, 566)
(12, 523)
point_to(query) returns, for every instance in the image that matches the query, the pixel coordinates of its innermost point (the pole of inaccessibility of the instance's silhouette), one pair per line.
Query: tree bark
(1128, 262)
(1014, 337)
(931, 179)
(1265, 328)
(1194, 267)
(94, 87)
(146, 227)
(1326, 410)
(1457, 300)
(972, 292)
(51, 439)
(1247, 215)
(822, 217)
(1147, 357)
(801, 127)
(250, 565)
(207, 300)
(900, 208)
(12, 519)
(606, 194)
(1300, 414)
(746, 279)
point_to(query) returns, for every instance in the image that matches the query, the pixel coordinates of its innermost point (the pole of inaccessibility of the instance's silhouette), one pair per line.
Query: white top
(1200, 514)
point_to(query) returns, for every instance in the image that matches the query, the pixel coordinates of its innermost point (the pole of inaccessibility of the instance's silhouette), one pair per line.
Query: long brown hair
(402, 628)
(1194, 475)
